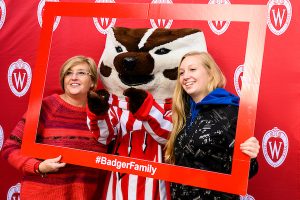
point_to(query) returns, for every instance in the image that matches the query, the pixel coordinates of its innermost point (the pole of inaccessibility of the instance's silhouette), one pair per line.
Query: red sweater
(61, 124)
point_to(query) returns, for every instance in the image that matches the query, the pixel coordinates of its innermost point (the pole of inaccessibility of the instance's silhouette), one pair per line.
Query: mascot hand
(98, 102)
(136, 98)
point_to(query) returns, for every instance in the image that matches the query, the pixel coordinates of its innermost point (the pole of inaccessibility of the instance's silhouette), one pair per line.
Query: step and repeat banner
(277, 124)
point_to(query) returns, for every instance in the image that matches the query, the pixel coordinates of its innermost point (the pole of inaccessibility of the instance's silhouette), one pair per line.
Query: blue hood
(219, 96)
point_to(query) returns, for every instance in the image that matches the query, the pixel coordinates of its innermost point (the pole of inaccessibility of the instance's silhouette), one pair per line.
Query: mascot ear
(136, 98)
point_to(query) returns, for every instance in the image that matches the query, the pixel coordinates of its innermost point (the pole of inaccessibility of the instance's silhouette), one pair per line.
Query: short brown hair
(71, 62)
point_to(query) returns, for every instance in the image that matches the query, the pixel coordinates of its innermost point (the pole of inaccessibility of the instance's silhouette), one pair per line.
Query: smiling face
(194, 77)
(77, 80)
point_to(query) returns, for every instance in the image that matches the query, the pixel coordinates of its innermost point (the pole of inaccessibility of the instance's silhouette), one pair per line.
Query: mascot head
(146, 58)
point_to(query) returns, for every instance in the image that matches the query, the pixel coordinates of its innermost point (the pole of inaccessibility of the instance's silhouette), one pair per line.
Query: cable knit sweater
(61, 124)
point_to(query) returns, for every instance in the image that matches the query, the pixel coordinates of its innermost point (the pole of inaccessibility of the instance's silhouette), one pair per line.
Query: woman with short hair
(62, 122)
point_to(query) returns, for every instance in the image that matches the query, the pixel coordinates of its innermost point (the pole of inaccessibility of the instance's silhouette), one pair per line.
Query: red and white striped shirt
(142, 136)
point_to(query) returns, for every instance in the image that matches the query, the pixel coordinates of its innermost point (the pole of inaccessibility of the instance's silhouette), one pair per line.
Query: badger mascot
(138, 70)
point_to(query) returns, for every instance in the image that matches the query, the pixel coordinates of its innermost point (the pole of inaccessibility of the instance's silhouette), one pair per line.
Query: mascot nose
(129, 63)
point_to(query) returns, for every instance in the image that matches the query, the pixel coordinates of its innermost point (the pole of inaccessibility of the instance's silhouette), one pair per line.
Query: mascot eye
(119, 49)
(162, 51)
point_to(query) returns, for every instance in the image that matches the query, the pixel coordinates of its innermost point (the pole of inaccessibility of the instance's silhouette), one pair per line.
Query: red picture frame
(237, 181)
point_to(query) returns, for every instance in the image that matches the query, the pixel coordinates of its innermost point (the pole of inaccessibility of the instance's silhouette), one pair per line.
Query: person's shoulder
(51, 101)
(227, 110)
(231, 110)
(51, 98)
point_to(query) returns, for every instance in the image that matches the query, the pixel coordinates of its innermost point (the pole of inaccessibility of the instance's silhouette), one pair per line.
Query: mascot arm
(136, 99)
(155, 119)
(101, 127)
(98, 118)
(97, 102)
(158, 123)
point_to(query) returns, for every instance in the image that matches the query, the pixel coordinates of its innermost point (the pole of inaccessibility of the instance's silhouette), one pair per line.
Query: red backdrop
(277, 122)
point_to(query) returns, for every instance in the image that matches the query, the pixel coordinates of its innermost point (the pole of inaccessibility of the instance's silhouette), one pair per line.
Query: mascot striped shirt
(141, 135)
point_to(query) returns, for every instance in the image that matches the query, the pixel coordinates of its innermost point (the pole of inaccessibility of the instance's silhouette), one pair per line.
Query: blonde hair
(180, 103)
(76, 60)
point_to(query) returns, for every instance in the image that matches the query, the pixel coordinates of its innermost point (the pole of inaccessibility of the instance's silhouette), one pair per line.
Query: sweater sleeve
(156, 120)
(12, 150)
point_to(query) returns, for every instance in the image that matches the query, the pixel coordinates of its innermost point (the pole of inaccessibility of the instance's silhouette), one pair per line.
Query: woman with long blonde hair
(204, 117)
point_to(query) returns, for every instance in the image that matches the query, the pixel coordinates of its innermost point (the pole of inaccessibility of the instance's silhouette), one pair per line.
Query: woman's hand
(250, 147)
(51, 165)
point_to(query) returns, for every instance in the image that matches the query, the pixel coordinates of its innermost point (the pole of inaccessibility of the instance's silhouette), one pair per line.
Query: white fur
(145, 38)
(160, 87)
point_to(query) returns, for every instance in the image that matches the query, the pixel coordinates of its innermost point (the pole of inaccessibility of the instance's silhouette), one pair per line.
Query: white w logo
(19, 80)
(104, 21)
(274, 149)
(217, 23)
(219, 26)
(278, 16)
(19, 77)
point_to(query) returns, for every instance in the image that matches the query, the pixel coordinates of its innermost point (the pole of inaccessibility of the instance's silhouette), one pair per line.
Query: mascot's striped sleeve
(142, 136)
